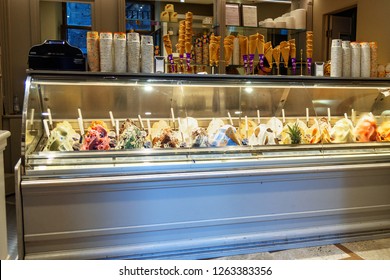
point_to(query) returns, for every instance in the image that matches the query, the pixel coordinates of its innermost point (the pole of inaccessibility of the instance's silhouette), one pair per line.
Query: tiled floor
(378, 249)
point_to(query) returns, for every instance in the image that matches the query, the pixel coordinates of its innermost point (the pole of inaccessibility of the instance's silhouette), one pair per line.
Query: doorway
(341, 25)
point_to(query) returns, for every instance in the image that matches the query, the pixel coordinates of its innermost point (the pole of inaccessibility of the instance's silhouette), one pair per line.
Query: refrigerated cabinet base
(204, 214)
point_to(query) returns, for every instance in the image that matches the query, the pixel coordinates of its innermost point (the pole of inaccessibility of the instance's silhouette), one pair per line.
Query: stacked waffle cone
(260, 44)
(253, 42)
(228, 48)
(214, 49)
(188, 39)
(205, 45)
(168, 48)
(181, 40)
(309, 50)
(293, 48)
(285, 51)
(243, 40)
(188, 27)
(309, 44)
(198, 48)
(293, 55)
(276, 55)
(167, 44)
(260, 50)
(268, 51)
(243, 44)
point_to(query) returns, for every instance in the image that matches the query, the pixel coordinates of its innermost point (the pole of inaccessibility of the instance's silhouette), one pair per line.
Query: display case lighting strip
(74, 83)
(273, 1)
(199, 85)
(341, 86)
(126, 84)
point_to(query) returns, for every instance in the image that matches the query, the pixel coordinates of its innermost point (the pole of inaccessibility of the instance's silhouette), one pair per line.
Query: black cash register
(56, 55)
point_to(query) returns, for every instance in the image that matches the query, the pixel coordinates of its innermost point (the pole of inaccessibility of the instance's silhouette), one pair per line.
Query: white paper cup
(300, 18)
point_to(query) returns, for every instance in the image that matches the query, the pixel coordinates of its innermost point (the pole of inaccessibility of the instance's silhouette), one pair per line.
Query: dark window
(77, 22)
(139, 16)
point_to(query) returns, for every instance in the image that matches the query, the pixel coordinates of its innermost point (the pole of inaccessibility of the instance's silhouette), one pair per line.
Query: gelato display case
(199, 166)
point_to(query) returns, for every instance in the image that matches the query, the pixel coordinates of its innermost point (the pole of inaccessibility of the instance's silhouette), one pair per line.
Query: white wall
(371, 24)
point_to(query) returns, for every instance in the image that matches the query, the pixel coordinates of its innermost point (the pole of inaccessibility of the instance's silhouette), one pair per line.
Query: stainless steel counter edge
(315, 170)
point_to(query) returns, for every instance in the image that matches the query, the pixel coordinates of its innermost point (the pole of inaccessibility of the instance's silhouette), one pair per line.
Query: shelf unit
(219, 27)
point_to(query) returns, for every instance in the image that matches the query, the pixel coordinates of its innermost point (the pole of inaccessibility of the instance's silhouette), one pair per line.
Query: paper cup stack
(133, 52)
(106, 52)
(299, 16)
(120, 52)
(93, 51)
(147, 54)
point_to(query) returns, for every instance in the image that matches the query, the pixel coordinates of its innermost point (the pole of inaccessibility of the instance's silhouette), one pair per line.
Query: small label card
(232, 14)
(249, 15)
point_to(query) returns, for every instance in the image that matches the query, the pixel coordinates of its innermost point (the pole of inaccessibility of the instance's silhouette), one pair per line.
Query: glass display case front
(199, 166)
(71, 121)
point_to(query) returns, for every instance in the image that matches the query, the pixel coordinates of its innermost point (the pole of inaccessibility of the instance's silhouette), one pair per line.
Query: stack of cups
(336, 57)
(120, 52)
(290, 22)
(93, 51)
(147, 54)
(299, 16)
(374, 59)
(106, 52)
(365, 58)
(133, 52)
(346, 58)
(355, 59)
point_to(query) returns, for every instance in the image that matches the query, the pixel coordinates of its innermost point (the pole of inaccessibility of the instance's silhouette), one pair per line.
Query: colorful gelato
(96, 137)
(384, 132)
(130, 136)
(226, 136)
(63, 138)
(342, 131)
(365, 129)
